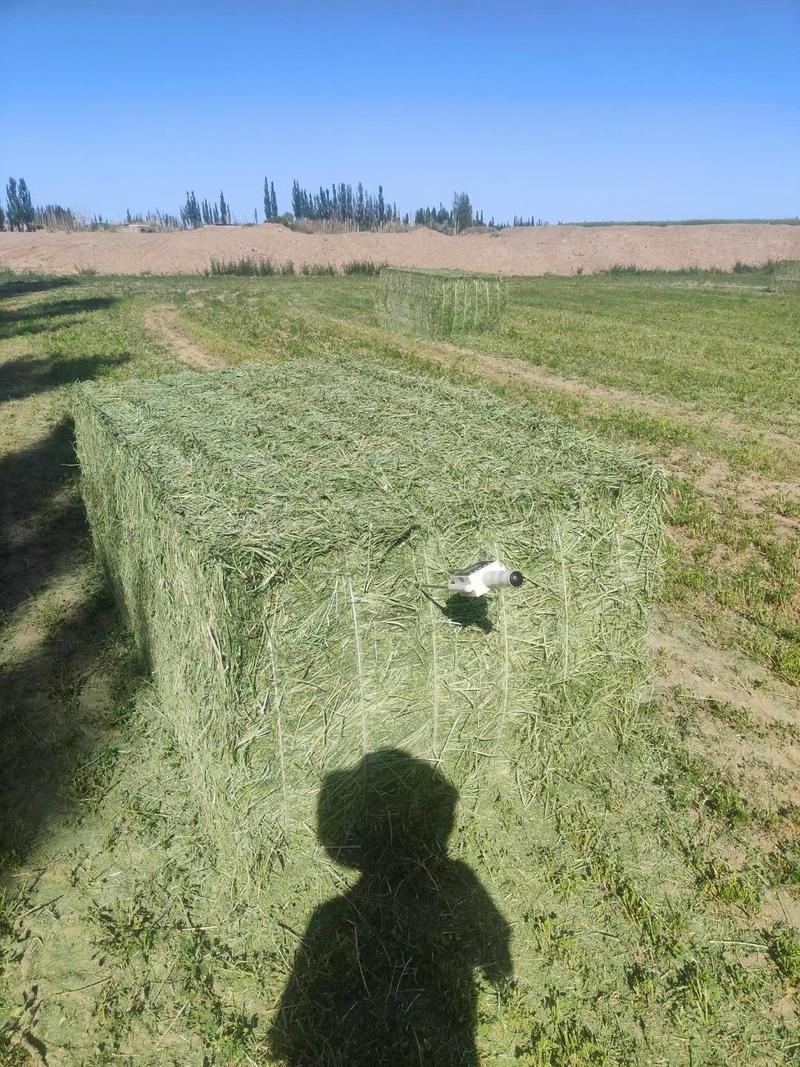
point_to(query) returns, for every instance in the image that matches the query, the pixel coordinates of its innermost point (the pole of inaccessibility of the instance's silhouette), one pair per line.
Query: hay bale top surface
(449, 273)
(274, 464)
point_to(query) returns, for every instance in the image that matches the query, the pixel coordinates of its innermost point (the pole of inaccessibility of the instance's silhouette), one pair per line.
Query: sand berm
(522, 250)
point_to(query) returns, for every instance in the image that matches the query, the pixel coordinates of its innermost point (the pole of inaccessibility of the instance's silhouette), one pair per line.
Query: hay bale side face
(787, 275)
(269, 531)
(439, 304)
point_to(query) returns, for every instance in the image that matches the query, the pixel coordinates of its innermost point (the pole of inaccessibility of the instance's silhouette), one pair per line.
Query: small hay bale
(787, 275)
(439, 304)
(269, 531)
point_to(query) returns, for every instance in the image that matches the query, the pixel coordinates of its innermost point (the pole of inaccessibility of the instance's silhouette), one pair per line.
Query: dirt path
(687, 660)
(164, 324)
(724, 687)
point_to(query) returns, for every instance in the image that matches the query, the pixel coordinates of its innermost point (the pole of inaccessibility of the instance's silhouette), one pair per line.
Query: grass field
(108, 954)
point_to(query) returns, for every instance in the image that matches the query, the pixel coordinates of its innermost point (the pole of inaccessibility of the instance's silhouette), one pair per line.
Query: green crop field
(613, 839)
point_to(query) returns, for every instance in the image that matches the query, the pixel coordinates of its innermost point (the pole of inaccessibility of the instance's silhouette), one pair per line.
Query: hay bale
(439, 304)
(269, 530)
(787, 274)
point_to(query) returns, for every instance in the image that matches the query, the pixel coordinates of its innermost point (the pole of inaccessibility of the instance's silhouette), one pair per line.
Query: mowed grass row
(717, 341)
(131, 960)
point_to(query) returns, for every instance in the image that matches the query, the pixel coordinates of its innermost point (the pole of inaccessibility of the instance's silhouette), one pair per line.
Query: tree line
(157, 219)
(208, 213)
(21, 214)
(461, 217)
(340, 203)
(458, 218)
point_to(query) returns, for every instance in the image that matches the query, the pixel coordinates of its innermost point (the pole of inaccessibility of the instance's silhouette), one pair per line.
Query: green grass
(666, 917)
(713, 347)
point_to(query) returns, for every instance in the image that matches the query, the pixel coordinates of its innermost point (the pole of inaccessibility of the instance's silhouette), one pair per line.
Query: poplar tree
(362, 208)
(26, 205)
(298, 197)
(13, 204)
(270, 202)
(462, 212)
(21, 214)
(191, 214)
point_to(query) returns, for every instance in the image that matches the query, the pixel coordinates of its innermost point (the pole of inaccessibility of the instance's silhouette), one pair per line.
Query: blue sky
(579, 109)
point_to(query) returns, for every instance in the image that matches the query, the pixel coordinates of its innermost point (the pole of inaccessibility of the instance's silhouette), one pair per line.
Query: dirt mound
(523, 250)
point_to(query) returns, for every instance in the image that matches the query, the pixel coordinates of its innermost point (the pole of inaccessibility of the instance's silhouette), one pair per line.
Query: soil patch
(163, 324)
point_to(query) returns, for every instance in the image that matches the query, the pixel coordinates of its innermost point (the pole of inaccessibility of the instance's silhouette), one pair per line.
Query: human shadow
(385, 974)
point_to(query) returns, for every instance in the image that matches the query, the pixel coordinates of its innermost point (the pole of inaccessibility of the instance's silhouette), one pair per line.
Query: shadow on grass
(16, 286)
(29, 375)
(40, 317)
(56, 689)
(56, 694)
(55, 701)
(53, 674)
(62, 672)
(43, 527)
(384, 974)
(469, 611)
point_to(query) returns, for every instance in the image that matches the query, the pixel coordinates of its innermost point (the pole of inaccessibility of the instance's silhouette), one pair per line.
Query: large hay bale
(269, 531)
(439, 304)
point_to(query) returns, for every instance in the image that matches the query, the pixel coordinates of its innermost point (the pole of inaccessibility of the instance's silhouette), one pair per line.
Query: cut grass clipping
(439, 304)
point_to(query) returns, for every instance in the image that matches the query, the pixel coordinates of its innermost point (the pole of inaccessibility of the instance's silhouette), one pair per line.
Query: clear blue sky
(570, 109)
